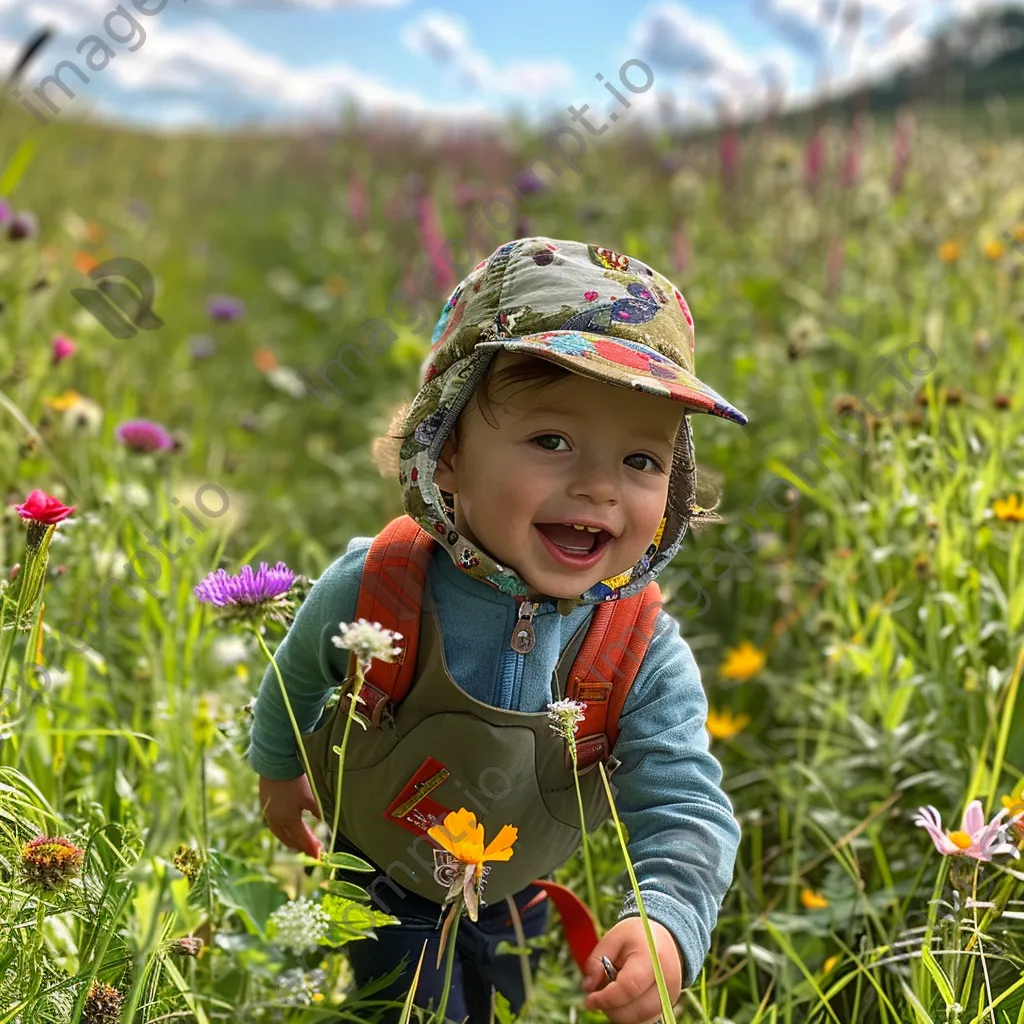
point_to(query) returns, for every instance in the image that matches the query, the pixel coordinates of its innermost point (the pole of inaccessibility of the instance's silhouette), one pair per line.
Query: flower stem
(450, 963)
(341, 754)
(291, 716)
(659, 976)
(587, 867)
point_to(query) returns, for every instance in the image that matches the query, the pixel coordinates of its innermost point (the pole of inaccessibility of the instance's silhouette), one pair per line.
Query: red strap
(606, 666)
(391, 593)
(577, 921)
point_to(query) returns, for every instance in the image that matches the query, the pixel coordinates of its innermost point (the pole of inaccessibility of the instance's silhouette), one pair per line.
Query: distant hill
(970, 60)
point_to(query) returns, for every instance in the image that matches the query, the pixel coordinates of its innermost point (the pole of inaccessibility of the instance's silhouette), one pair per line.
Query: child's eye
(650, 458)
(547, 437)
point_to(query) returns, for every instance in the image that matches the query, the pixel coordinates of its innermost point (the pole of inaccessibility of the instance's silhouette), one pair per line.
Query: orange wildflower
(83, 262)
(812, 900)
(723, 725)
(949, 252)
(264, 360)
(1009, 511)
(994, 250)
(742, 662)
(463, 838)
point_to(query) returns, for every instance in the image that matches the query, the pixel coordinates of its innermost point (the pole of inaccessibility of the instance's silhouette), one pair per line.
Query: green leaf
(238, 887)
(938, 976)
(347, 889)
(17, 167)
(345, 861)
(503, 1009)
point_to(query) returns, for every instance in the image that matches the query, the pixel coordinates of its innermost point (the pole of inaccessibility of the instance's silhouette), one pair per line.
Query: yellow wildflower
(203, 731)
(949, 252)
(831, 962)
(723, 725)
(742, 662)
(1009, 511)
(1014, 802)
(994, 250)
(69, 399)
(812, 900)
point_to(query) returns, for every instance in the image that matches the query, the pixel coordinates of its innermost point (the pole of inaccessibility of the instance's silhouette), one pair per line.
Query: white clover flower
(566, 716)
(367, 640)
(298, 926)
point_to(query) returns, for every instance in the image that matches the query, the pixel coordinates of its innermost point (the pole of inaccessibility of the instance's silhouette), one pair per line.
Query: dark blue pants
(476, 967)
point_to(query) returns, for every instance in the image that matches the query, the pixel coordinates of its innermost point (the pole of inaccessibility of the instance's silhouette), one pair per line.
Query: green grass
(889, 599)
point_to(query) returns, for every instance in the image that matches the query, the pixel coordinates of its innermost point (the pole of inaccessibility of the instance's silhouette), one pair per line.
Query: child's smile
(575, 453)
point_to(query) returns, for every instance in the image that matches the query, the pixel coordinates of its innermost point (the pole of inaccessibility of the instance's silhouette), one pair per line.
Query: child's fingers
(632, 984)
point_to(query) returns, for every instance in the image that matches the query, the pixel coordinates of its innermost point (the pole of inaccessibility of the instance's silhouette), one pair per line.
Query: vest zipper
(523, 638)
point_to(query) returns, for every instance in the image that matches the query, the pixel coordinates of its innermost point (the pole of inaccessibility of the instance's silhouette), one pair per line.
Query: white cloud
(195, 75)
(705, 66)
(438, 35)
(445, 39)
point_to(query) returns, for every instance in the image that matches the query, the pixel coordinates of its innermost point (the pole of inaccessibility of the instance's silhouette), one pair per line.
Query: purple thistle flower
(225, 308)
(22, 225)
(248, 594)
(144, 436)
(528, 183)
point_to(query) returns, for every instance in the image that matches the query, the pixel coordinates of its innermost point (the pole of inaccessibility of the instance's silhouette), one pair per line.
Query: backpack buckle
(589, 750)
(374, 703)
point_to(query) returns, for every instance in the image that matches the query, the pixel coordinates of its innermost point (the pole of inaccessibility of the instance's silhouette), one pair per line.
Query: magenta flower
(225, 308)
(61, 348)
(247, 594)
(358, 203)
(144, 436)
(814, 160)
(974, 838)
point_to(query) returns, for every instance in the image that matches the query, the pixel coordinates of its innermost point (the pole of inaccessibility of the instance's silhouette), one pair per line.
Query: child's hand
(633, 997)
(283, 801)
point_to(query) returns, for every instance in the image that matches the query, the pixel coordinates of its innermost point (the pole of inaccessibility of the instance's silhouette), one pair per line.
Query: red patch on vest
(414, 809)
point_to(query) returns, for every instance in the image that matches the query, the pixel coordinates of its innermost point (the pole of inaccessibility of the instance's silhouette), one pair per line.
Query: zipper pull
(523, 636)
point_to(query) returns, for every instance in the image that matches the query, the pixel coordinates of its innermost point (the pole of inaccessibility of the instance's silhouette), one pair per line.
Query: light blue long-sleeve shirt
(683, 836)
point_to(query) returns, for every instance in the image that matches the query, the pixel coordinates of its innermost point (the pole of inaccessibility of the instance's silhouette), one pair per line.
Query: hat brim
(624, 363)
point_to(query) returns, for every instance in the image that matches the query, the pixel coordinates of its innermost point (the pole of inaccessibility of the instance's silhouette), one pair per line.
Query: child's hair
(530, 372)
(537, 372)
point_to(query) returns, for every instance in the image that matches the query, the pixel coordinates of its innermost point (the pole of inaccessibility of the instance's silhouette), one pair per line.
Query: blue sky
(223, 62)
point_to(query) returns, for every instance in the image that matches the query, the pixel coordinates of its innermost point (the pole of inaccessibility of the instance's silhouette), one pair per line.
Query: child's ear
(444, 471)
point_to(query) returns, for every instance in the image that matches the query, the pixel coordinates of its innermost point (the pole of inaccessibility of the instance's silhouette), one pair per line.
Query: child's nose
(597, 481)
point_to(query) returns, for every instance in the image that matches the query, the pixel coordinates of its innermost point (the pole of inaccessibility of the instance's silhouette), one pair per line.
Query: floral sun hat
(599, 314)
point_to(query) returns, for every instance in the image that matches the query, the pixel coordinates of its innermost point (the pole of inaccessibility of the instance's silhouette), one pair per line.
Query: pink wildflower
(61, 348)
(974, 838)
(814, 160)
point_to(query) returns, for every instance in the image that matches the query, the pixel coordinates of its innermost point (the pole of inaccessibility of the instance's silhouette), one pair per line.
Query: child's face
(574, 451)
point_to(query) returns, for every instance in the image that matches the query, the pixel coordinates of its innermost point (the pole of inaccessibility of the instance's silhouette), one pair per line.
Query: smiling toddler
(548, 477)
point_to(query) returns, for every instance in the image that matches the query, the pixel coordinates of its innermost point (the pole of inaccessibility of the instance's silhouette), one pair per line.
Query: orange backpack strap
(391, 593)
(605, 667)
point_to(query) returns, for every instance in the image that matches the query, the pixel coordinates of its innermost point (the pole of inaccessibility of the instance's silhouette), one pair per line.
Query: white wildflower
(367, 640)
(298, 926)
(566, 716)
(230, 650)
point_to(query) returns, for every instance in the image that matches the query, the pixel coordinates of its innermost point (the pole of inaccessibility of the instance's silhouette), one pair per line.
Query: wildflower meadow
(169, 496)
